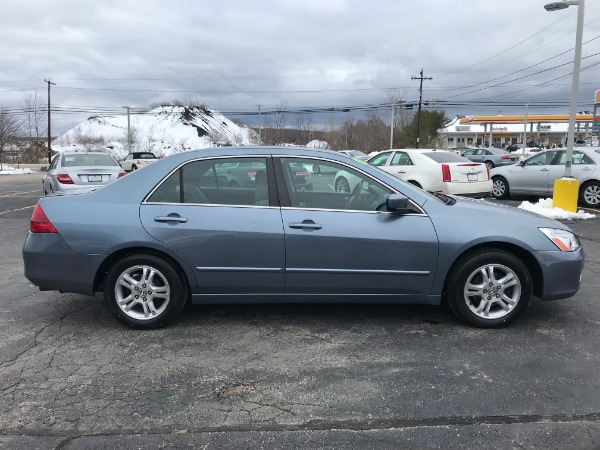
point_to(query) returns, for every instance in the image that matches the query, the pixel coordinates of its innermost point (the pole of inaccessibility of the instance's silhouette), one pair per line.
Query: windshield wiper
(443, 197)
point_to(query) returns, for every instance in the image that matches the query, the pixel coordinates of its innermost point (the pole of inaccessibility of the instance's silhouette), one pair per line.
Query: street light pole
(576, 69)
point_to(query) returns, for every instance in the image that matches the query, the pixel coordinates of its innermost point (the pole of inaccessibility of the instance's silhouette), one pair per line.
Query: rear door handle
(171, 218)
(306, 224)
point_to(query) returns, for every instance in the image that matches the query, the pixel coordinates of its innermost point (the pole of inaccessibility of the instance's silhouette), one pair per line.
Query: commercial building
(500, 131)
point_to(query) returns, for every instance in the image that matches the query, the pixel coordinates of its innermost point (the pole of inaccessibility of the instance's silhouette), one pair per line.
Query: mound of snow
(164, 131)
(544, 208)
(9, 170)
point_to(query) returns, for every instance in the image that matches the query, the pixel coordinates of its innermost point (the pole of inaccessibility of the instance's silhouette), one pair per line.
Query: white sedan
(431, 170)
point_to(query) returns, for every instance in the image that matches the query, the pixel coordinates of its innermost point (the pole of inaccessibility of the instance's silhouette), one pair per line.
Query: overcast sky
(342, 54)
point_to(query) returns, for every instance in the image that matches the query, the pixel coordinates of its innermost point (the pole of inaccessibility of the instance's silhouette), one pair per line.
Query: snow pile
(8, 170)
(544, 208)
(164, 131)
(315, 143)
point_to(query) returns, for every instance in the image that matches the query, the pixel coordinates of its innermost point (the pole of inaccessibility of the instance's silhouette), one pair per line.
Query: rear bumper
(562, 273)
(50, 264)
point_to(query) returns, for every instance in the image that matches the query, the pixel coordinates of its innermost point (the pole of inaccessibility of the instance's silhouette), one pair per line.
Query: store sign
(499, 129)
(545, 127)
(463, 128)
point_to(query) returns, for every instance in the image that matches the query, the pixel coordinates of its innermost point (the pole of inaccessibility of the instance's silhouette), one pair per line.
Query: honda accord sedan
(159, 238)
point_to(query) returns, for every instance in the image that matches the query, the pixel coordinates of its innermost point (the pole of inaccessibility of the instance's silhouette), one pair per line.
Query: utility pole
(259, 127)
(49, 129)
(128, 130)
(421, 78)
(525, 128)
(392, 125)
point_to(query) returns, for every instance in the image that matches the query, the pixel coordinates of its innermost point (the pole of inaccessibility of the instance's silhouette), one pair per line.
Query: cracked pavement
(316, 376)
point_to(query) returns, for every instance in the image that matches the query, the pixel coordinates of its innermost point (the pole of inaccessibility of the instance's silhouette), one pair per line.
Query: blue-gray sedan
(175, 232)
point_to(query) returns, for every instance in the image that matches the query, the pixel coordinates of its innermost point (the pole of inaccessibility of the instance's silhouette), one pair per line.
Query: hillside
(164, 131)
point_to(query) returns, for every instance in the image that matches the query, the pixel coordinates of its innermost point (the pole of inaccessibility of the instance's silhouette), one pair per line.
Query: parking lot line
(19, 193)
(16, 209)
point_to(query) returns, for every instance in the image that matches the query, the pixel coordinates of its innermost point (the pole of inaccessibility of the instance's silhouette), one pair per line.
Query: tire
(500, 189)
(489, 288)
(316, 169)
(490, 164)
(342, 185)
(44, 189)
(128, 296)
(414, 183)
(134, 167)
(590, 194)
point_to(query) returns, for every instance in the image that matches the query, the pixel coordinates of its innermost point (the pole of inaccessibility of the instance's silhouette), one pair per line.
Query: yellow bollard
(565, 195)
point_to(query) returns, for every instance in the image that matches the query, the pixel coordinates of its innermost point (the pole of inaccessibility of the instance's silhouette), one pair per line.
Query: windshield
(405, 183)
(356, 153)
(87, 159)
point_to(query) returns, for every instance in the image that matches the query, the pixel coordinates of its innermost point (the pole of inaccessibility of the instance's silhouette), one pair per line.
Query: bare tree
(304, 125)
(10, 127)
(280, 120)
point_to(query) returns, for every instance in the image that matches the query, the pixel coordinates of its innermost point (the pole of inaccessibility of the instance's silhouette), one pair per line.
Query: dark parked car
(161, 237)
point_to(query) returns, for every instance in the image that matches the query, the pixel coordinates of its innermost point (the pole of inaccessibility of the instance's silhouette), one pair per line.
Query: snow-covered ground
(9, 170)
(544, 207)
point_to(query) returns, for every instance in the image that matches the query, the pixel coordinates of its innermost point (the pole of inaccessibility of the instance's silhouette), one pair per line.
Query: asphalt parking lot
(274, 376)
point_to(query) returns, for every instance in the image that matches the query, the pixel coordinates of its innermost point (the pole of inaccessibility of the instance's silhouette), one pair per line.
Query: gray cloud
(236, 54)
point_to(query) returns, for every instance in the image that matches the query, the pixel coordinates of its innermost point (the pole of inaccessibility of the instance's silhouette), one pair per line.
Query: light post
(564, 194)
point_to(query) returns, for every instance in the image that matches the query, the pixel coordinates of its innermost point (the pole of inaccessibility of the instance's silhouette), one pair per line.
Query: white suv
(136, 160)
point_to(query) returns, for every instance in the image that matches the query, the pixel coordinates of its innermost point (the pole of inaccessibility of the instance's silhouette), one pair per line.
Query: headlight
(563, 239)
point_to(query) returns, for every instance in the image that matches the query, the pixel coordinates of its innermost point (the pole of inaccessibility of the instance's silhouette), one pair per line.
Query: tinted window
(380, 160)
(144, 156)
(232, 181)
(401, 159)
(542, 159)
(578, 158)
(337, 187)
(445, 157)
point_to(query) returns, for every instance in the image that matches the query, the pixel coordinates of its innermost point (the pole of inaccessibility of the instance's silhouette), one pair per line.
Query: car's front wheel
(590, 194)
(144, 291)
(489, 288)
(500, 188)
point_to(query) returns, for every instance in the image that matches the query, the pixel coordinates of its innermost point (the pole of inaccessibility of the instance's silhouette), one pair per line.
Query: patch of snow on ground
(8, 170)
(544, 208)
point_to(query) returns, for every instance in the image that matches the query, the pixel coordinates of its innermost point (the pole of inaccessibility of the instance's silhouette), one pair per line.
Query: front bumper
(562, 273)
(50, 264)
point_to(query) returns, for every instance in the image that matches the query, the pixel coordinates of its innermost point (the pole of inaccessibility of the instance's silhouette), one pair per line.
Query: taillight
(64, 178)
(446, 173)
(505, 157)
(39, 223)
(121, 175)
(488, 171)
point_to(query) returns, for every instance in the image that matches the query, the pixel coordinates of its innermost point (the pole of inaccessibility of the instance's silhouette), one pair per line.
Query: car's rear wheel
(414, 183)
(490, 164)
(590, 194)
(144, 291)
(500, 188)
(342, 185)
(489, 288)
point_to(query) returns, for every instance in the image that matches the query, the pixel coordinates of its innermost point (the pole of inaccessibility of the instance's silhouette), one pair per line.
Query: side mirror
(397, 204)
(522, 162)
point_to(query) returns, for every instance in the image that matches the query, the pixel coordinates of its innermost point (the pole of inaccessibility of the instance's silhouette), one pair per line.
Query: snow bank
(544, 208)
(8, 170)
(315, 143)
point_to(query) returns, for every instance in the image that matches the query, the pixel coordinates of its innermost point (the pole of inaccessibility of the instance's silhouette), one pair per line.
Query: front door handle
(306, 224)
(543, 170)
(171, 218)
